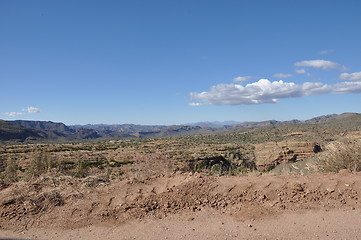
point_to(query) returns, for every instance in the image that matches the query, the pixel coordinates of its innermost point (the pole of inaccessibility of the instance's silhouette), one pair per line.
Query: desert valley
(259, 180)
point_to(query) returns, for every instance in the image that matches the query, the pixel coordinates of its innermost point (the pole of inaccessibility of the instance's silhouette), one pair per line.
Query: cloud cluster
(28, 110)
(265, 91)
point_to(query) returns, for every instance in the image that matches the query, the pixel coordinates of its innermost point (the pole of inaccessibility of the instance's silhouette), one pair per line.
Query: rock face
(271, 154)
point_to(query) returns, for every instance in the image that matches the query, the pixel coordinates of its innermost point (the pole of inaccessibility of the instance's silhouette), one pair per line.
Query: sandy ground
(187, 206)
(334, 224)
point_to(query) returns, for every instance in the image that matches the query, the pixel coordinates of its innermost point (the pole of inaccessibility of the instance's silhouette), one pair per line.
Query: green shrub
(216, 170)
(238, 171)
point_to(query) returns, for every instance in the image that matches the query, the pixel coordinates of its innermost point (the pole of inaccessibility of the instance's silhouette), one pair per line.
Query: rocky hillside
(10, 131)
(331, 117)
(40, 131)
(43, 125)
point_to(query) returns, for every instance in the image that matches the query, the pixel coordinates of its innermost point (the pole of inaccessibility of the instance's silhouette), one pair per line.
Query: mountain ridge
(28, 131)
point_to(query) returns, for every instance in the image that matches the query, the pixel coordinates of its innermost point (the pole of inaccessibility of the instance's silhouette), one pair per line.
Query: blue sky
(173, 62)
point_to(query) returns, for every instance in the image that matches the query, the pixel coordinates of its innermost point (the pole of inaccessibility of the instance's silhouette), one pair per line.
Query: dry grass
(45, 201)
(41, 162)
(152, 164)
(11, 170)
(345, 154)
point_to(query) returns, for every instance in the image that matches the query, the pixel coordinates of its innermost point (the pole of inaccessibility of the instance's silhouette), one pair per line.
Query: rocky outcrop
(271, 154)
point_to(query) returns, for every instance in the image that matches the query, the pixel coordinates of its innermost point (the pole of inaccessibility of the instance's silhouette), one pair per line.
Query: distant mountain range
(215, 124)
(34, 131)
(21, 130)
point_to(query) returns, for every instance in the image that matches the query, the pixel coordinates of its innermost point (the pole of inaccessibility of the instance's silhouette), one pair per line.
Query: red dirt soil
(185, 206)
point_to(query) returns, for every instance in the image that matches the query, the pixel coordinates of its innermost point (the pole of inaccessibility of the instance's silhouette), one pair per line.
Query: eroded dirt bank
(185, 206)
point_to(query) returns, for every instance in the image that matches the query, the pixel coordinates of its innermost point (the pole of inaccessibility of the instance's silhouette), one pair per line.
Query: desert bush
(40, 163)
(238, 171)
(345, 154)
(82, 169)
(11, 170)
(113, 163)
(94, 181)
(46, 201)
(216, 170)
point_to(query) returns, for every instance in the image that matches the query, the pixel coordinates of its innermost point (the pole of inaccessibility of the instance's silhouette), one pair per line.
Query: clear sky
(178, 61)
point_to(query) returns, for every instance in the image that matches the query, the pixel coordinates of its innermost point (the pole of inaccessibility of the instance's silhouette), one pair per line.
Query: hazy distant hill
(21, 130)
(327, 118)
(132, 130)
(177, 131)
(43, 125)
(215, 124)
(345, 122)
(120, 130)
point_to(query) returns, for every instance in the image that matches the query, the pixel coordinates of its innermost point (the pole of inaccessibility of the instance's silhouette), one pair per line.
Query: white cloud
(323, 52)
(242, 79)
(194, 104)
(347, 87)
(300, 71)
(265, 91)
(13, 114)
(28, 110)
(320, 64)
(282, 75)
(356, 76)
(31, 110)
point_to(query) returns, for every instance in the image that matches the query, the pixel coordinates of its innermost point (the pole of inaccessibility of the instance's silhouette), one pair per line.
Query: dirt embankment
(68, 204)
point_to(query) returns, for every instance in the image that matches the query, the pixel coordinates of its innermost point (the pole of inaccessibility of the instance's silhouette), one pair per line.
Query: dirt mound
(235, 195)
(68, 203)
